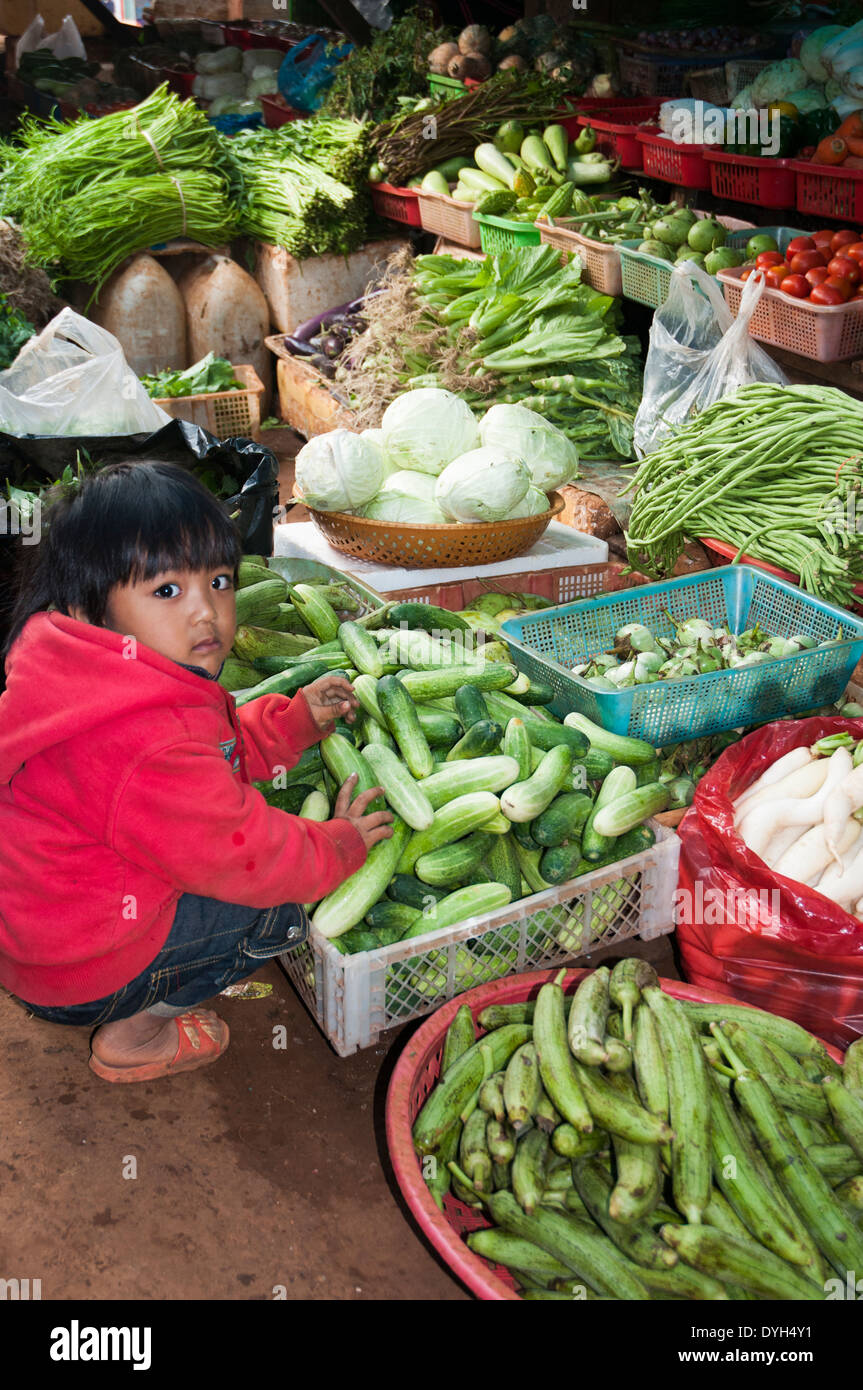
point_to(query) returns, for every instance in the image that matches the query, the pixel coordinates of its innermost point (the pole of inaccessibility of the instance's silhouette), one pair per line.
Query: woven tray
(433, 547)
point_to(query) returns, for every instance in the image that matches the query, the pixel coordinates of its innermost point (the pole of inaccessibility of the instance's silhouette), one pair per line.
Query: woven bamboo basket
(434, 547)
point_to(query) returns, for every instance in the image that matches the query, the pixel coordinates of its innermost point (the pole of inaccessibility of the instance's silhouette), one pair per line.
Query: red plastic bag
(751, 932)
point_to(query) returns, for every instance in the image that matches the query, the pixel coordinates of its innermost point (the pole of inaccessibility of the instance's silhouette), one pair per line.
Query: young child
(142, 872)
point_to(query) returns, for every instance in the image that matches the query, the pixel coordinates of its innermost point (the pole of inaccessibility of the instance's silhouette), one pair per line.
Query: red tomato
(841, 285)
(747, 271)
(843, 238)
(796, 285)
(775, 275)
(817, 275)
(848, 269)
(824, 238)
(826, 295)
(805, 260)
(854, 251)
(769, 258)
(799, 243)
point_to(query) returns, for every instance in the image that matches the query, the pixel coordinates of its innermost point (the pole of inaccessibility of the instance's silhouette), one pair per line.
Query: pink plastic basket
(827, 192)
(827, 333)
(768, 183)
(617, 130)
(398, 204)
(674, 162)
(600, 260)
(414, 1077)
(449, 218)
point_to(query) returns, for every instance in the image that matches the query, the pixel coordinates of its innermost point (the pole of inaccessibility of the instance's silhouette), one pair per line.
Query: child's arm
(185, 816)
(277, 730)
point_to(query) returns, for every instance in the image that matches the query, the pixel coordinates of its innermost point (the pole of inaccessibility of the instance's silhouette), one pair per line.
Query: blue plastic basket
(547, 644)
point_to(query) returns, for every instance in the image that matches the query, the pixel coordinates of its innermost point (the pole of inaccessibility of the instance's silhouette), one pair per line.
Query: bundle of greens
(289, 200)
(775, 471)
(409, 145)
(517, 328)
(15, 331)
(341, 147)
(209, 375)
(369, 82)
(90, 193)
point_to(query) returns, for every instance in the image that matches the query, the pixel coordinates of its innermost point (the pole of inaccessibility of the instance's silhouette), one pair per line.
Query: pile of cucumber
(629, 1145)
(494, 799)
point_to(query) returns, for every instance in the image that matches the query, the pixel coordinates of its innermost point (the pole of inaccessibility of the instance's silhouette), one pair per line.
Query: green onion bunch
(775, 471)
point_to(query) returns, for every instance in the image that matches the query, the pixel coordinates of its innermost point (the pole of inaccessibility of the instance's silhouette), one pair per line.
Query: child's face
(185, 615)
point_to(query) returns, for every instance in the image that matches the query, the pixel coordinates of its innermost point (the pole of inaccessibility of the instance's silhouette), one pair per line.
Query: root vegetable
(806, 860)
(475, 39)
(803, 782)
(514, 62)
(473, 65)
(783, 767)
(764, 820)
(441, 57)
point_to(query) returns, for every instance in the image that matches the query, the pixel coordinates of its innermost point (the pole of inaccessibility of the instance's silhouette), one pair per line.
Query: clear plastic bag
(698, 353)
(73, 379)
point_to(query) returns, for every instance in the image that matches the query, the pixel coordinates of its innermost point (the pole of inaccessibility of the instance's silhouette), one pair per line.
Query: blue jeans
(211, 945)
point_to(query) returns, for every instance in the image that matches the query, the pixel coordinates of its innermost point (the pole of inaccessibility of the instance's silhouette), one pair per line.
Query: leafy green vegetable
(205, 377)
(373, 81)
(15, 331)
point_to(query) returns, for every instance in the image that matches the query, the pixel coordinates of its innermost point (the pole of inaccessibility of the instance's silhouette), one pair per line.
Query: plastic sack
(67, 42)
(698, 353)
(747, 931)
(307, 70)
(73, 379)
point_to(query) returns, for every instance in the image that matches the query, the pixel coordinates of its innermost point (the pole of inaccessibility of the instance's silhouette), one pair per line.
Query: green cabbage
(426, 429)
(809, 99)
(408, 497)
(532, 504)
(339, 471)
(810, 50)
(788, 75)
(482, 485)
(550, 456)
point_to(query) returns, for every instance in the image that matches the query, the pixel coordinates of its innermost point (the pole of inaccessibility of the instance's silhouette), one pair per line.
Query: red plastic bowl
(415, 1075)
(728, 552)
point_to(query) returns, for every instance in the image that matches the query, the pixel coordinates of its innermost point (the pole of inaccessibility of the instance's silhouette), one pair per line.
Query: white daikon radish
(781, 841)
(804, 782)
(842, 803)
(764, 820)
(788, 763)
(807, 859)
(843, 883)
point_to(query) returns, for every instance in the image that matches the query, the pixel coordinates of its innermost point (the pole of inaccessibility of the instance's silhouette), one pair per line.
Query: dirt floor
(267, 1169)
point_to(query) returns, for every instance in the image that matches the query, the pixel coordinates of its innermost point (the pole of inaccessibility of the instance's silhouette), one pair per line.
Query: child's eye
(160, 592)
(224, 581)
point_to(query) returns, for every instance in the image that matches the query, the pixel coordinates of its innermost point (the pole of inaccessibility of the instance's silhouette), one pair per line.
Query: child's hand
(377, 826)
(331, 698)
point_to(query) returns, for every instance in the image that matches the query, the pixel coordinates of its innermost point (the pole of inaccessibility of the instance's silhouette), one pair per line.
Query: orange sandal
(200, 1042)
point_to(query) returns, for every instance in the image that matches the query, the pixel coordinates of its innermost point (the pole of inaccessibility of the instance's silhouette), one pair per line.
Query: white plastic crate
(354, 999)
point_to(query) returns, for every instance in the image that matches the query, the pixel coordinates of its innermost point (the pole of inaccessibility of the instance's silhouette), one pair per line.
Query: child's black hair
(123, 524)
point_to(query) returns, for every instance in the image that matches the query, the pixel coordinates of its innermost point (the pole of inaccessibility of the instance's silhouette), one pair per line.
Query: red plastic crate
(617, 130)
(770, 183)
(180, 82)
(275, 114)
(603, 107)
(674, 162)
(398, 204)
(836, 193)
(238, 36)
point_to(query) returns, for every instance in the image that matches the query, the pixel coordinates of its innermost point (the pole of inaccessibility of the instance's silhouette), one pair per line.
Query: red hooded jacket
(124, 783)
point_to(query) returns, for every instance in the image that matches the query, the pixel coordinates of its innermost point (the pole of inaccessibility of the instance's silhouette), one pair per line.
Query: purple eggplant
(298, 347)
(335, 344)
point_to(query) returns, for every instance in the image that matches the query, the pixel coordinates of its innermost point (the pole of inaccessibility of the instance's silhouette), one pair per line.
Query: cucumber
(440, 728)
(451, 865)
(526, 800)
(501, 864)
(490, 774)
(521, 833)
(626, 812)
(342, 759)
(470, 706)
(403, 794)
(457, 818)
(473, 901)
(404, 888)
(563, 820)
(362, 649)
(480, 740)
(316, 806)
(430, 685)
(548, 735)
(516, 744)
(537, 693)
(631, 751)
(366, 691)
(349, 903)
(560, 863)
(385, 915)
(400, 713)
(619, 782)
(596, 765)
(318, 615)
(285, 683)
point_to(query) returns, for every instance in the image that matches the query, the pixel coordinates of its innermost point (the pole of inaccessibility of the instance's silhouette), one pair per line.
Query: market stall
(571, 361)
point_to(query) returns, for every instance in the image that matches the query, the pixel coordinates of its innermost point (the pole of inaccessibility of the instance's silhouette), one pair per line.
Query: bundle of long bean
(409, 145)
(776, 471)
(54, 160)
(291, 201)
(89, 234)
